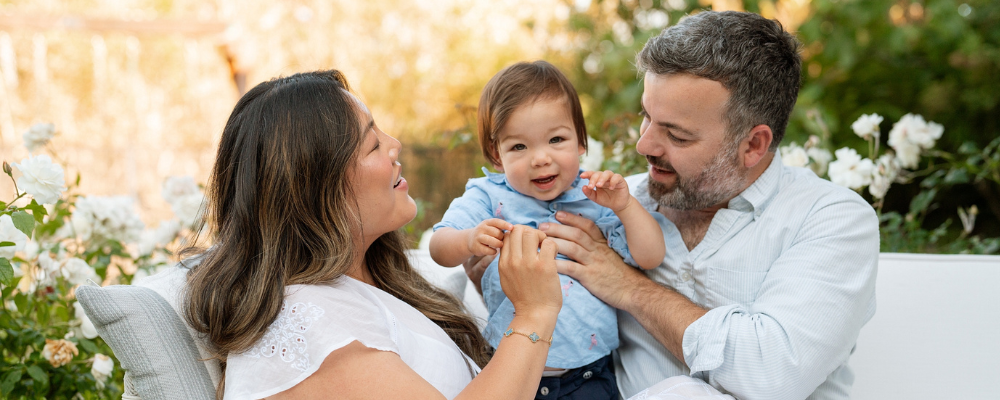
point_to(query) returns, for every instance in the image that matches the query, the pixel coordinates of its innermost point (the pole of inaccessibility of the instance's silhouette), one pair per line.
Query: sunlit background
(140, 90)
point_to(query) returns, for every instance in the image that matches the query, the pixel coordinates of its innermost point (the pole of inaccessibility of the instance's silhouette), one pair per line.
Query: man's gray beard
(722, 180)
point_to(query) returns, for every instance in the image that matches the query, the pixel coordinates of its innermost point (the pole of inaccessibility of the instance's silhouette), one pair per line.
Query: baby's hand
(488, 236)
(607, 189)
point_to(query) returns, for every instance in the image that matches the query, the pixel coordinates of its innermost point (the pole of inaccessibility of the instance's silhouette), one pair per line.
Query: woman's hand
(528, 276)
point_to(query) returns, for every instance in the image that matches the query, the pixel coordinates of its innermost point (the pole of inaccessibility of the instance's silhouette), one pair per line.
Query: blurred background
(140, 90)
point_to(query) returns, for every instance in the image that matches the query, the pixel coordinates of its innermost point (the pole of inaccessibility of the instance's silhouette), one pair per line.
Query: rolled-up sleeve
(805, 319)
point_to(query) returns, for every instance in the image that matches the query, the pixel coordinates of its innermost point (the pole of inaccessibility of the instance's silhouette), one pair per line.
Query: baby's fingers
(489, 241)
(499, 224)
(617, 182)
(600, 179)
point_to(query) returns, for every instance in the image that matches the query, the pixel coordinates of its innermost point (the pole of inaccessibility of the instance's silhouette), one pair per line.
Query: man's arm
(664, 313)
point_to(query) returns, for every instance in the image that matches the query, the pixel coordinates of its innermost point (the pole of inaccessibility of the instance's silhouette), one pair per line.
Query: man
(770, 271)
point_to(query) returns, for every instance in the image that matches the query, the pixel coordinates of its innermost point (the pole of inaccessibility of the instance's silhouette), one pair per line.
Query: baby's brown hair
(516, 85)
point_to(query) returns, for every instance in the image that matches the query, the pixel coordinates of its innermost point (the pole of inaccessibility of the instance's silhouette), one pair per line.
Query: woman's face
(377, 180)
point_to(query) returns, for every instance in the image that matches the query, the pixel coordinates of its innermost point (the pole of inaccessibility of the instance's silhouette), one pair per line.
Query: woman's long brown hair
(281, 213)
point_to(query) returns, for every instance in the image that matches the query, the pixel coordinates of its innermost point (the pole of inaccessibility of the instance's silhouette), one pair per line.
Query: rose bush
(52, 240)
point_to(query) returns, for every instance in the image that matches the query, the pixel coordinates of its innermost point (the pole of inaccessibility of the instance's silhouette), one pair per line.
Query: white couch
(936, 332)
(935, 335)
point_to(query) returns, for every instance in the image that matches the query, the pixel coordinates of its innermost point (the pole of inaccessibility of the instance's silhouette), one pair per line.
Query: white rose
(107, 218)
(794, 155)
(38, 135)
(867, 126)
(907, 153)
(86, 325)
(885, 172)
(9, 233)
(48, 264)
(820, 160)
(850, 170)
(102, 368)
(77, 272)
(41, 178)
(913, 129)
(176, 187)
(161, 236)
(594, 157)
(188, 209)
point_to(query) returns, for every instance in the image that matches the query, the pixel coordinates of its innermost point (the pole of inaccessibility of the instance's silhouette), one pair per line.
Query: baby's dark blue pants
(595, 381)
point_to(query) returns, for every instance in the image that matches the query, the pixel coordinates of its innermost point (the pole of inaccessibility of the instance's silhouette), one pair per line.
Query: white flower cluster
(909, 137)
(185, 199)
(102, 369)
(41, 178)
(107, 218)
(38, 135)
(810, 156)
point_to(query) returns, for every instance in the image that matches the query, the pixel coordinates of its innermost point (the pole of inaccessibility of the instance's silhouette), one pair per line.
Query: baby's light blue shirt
(587, 328)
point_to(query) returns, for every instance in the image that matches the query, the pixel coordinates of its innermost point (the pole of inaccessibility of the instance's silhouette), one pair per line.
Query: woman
(308, 293)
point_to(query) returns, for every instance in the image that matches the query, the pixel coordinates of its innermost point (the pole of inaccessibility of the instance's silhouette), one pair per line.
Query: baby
(531, 129)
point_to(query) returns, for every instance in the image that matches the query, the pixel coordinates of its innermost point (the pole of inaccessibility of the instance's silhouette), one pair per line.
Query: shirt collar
(572, 194)
(756, 197)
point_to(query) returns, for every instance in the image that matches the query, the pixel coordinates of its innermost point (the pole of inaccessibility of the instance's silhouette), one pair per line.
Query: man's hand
(475, 267)
(597, 266)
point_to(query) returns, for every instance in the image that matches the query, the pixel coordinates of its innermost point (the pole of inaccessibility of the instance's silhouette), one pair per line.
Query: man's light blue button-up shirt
(788, 274)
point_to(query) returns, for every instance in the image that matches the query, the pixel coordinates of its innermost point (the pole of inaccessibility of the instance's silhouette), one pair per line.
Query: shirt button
(587, 375)
(685, 277)
(544, 391)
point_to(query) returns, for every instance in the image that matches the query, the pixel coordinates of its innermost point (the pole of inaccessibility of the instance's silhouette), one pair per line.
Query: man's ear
(756, 145)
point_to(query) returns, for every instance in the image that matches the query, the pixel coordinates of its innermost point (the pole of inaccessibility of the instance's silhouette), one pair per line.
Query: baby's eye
(556, 139)
(518, 147)
(642, 113)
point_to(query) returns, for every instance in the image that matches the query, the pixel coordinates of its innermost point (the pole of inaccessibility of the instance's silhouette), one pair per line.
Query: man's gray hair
(751, 56)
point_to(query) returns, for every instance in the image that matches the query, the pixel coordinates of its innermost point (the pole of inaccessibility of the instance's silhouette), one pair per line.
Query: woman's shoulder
(314, 321)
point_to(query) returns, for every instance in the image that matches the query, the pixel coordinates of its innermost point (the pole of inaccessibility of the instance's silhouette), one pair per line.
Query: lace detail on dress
(284, 337)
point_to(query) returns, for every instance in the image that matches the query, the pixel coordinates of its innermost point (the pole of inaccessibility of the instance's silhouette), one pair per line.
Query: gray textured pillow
(151, 341)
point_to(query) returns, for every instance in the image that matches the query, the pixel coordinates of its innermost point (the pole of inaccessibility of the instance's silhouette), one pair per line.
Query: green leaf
(6, 270)
(21, 301)
(9, 381)
(37, 210)
(89, 346)
(968, 148)
(5, 244)
(956, 176)
(38, 374)
(24, 222)
(922, 201)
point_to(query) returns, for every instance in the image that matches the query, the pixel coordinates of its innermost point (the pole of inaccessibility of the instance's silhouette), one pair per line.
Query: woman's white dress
(315, 320)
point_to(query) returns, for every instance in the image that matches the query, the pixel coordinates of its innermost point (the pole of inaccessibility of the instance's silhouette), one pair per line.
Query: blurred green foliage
(937, 58)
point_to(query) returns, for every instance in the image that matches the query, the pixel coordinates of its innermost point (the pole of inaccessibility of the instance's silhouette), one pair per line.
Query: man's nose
(648, 146)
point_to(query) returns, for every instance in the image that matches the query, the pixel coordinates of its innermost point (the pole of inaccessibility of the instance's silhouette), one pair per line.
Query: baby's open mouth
(545, 179)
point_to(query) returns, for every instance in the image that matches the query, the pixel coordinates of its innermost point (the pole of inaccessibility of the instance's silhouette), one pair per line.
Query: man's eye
(677, 139)
(556, 139)
(518, 147)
